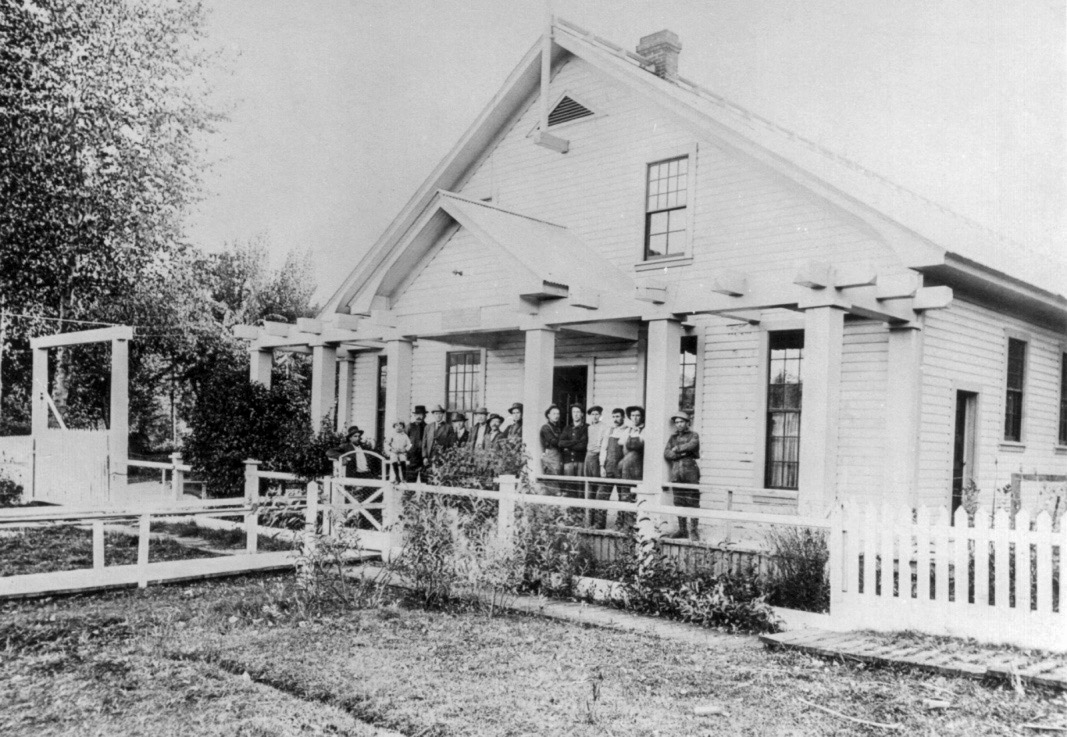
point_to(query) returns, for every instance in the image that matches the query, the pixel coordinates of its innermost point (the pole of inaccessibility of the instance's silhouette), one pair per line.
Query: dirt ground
(226, 658)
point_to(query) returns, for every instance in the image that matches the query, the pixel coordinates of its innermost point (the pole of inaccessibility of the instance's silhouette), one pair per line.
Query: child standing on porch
(397, 447)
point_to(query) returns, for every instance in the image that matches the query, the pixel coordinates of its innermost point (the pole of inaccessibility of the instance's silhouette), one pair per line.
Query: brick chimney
(662, 49)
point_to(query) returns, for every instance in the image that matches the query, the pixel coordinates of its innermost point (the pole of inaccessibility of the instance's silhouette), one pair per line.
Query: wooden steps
(1038, 669)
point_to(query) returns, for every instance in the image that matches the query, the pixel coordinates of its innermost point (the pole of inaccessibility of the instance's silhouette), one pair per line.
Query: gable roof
(925, 235)
(545, 255)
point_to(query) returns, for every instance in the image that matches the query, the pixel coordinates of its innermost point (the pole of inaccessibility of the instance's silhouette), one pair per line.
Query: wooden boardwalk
(945, 657)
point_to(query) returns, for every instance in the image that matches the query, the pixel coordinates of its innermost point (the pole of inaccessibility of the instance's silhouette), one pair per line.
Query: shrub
(798, 578)
(428, 559)
(552, 553)
(465, 467)
(654, 584)
(10, 492)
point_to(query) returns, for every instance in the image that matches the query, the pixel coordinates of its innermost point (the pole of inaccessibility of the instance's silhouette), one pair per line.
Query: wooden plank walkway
(1030, 667)
(95, 579)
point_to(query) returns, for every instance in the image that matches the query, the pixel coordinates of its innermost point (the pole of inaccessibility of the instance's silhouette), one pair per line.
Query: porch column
(824, 330)
(260, 363)
(323, 382)
(344, 389)
(661, 395)
(537, 389)
(39, 405)
(903, 397)
(398, 355)
(120, 410)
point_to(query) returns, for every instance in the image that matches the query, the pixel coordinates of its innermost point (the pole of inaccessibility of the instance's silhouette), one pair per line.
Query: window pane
(784, 392)
(657, 245)
(657, 223)
(1013, 401)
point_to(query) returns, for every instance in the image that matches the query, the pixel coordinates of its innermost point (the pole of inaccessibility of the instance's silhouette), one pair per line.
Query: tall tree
(102, 105)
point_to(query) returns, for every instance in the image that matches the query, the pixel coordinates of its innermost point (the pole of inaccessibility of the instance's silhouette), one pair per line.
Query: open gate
(71, 467)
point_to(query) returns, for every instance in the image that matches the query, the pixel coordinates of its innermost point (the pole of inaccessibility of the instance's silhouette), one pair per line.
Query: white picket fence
(894, 569)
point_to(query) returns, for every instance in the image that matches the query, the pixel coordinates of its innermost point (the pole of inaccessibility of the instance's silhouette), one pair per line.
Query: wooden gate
(359, 504)
(71, 467)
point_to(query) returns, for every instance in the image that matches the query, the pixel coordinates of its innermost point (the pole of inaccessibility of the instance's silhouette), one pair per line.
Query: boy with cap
(683, 451)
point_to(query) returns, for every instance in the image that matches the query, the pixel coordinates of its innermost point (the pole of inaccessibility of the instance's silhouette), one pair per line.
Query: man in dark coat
(514, 431)
(357, 463)
(683, 452)
(460, 434)
(494, 437)
(433, 428)
(416, 432)
(480, 428)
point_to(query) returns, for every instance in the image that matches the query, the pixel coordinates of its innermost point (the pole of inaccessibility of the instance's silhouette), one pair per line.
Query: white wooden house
(610, 231)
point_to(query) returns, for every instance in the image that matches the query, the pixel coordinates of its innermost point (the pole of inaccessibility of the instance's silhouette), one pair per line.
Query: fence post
(836, 557)
(144, 535)
(646, 523)
(251, 481)
(98, 543)
(392, 526)
(311, 518)
(177, 477)
(505, 524)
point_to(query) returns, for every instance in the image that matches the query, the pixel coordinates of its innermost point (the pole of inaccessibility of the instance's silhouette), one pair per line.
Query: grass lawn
(66, 548)
(223, 658)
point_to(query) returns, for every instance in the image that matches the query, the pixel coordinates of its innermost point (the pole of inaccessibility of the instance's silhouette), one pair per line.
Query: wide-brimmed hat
(457, 417)
(550, 408)
(516, 406)
(420, 409)
(634, 408)
(680, 415)
(481, 411)
(438, 408)
(595, 408)
(495, 416)
(352, 430)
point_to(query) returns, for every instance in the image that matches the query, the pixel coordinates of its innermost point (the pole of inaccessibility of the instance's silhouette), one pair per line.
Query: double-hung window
(1062, 435)
(463, 380)
(666, 208)
(1013, 400)
(687, 390)
(784, 391)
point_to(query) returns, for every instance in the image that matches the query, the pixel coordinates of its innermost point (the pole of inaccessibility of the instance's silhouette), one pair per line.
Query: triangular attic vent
(566, 111)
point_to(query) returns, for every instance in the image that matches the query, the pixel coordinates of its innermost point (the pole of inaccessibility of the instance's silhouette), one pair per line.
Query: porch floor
(940, 655)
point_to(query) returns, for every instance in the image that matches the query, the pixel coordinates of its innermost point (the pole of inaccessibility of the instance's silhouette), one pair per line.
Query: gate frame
(119, 424)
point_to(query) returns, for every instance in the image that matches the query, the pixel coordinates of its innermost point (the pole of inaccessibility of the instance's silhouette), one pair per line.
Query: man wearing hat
(494, 437)
(632, 465)
(436, 429)
(513, 433)
(417, 433)
(683, 451)
(480, 428)
(356, 463)
(460, 434)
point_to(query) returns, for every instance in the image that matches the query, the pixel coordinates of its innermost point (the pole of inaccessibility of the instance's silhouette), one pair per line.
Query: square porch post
(398, 356)
(661, 395)
(824, 330)
(260, 363)
(120, 411)
(323, 382)
(903, 397)
(539, 362)
(344, 389)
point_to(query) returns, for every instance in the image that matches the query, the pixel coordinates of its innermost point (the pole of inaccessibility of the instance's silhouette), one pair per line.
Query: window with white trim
(666, 208)
(1013, 400)
(1062, 435)
(463, 378)
(784, 393)
(687, 390)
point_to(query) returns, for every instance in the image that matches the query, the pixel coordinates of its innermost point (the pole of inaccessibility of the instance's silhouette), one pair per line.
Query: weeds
(798, 578)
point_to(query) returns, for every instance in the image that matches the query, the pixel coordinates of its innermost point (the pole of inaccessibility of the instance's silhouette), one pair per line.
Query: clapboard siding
(965, 347)
(730, 425)
(463, 272)
(743, 216)
(365, 392)
(862, 411)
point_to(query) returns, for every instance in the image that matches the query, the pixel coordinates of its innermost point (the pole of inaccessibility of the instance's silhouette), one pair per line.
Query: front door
(570, 385)
(963, 445)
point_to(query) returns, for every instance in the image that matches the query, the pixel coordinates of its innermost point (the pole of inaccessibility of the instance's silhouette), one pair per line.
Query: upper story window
(666, 200)
(687, 390)
(1013, 401)
(463, 378)
(1063, 400)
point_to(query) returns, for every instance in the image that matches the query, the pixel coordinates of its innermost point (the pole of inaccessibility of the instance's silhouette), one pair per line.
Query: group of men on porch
(584, 446)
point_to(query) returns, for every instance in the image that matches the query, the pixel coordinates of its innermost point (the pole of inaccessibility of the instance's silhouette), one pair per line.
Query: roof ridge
(480, 203)
(748, 115)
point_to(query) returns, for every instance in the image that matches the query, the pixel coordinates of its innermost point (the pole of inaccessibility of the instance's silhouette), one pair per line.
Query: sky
(339, 109)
